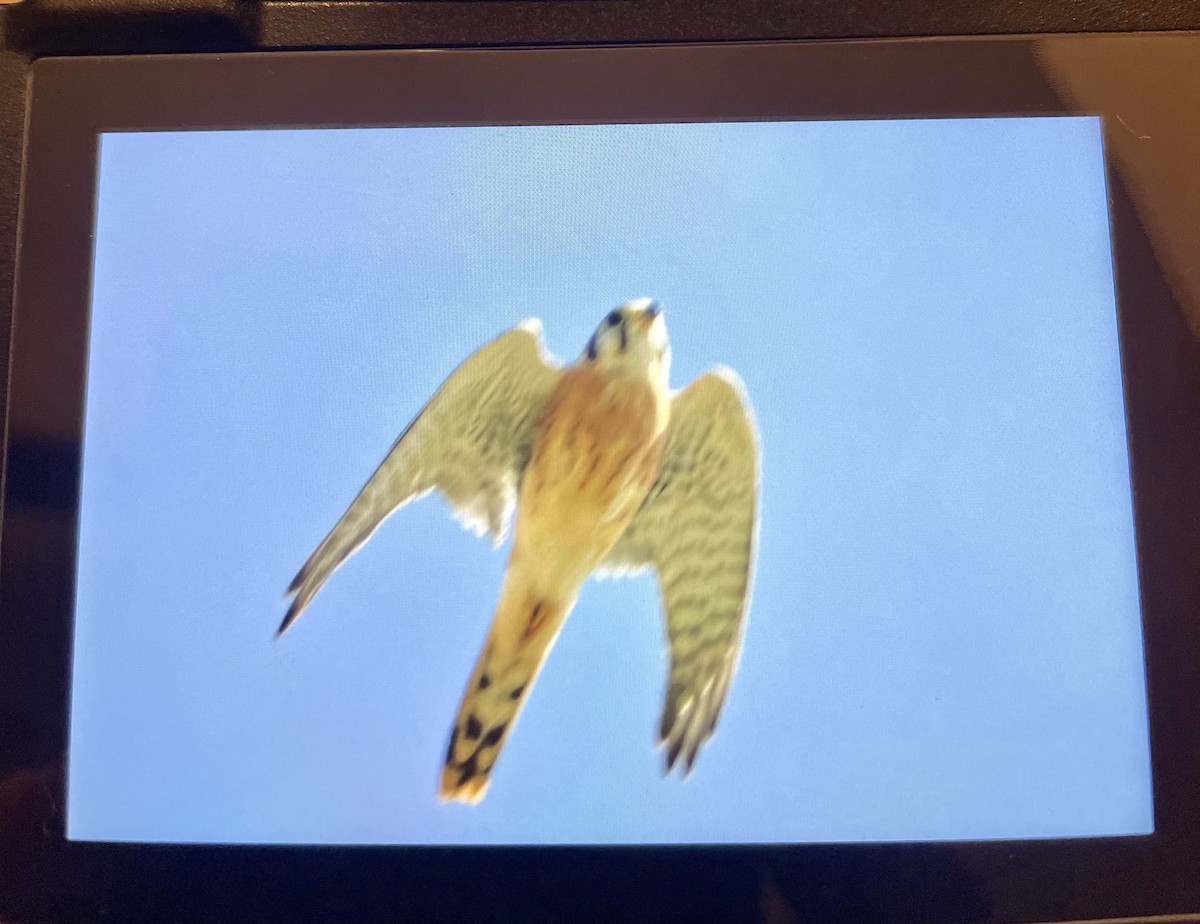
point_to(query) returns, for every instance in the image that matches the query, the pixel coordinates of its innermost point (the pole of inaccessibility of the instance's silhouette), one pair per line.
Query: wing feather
(471, 442)
(698, 529)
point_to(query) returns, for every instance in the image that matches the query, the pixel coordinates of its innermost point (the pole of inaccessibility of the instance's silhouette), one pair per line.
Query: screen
(895, 531)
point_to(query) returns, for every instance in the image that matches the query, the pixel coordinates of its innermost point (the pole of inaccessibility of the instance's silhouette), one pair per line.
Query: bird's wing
(471, 442)
(697, 529)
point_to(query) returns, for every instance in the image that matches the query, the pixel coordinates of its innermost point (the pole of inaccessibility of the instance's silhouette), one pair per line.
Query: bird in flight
(608, 471)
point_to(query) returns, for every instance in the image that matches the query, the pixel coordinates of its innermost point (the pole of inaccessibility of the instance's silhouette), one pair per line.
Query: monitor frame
(73, 101)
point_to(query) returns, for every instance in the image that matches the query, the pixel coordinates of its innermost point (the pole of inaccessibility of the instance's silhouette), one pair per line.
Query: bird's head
(632, 340)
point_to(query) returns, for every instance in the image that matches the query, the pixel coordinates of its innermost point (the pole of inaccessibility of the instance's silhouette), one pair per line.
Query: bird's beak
(649, 315)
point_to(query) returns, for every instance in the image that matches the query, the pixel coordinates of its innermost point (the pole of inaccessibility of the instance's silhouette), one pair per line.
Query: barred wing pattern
(698, 529)
(472, 441)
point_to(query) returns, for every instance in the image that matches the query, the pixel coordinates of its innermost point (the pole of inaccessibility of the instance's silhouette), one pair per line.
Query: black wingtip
(293, 614)
(297, 581)
(673, 749)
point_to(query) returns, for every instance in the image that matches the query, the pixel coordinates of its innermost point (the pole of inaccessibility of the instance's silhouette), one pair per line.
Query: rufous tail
(522, 633)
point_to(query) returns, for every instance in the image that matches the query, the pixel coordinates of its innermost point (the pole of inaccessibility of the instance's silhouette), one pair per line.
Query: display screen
(873, 579)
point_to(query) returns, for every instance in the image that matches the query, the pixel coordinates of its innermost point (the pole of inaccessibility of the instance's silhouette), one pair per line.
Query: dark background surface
(38, 29)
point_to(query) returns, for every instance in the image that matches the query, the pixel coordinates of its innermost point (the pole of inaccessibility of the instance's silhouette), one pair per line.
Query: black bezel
(43, 877)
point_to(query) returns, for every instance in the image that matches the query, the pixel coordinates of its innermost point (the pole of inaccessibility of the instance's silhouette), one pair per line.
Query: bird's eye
(613, 319)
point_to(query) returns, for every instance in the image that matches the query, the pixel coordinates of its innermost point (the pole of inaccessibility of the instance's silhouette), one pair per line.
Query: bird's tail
(523, 631)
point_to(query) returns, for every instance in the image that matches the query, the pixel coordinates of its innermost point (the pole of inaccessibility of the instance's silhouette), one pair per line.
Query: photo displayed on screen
(792, 457)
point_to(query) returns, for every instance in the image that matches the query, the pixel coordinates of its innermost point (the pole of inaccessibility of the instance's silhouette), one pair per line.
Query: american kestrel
(609, 471)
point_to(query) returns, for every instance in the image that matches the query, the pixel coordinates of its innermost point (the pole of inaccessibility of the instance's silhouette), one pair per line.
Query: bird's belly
(591, 469)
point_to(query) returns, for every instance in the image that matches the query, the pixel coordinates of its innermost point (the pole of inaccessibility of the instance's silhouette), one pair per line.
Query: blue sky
(944, 640)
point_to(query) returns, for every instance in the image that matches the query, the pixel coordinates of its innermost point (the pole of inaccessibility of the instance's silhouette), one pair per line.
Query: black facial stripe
(591, 348)
(624, 337)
